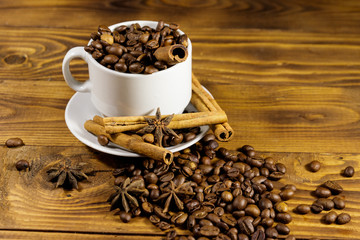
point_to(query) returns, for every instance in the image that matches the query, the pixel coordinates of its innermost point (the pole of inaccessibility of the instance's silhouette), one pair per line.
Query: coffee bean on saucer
(103, 140)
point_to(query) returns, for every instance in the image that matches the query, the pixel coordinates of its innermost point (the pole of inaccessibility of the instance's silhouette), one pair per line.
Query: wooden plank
(20, 235)
(29, 202)
(316, 16)
(278, 88)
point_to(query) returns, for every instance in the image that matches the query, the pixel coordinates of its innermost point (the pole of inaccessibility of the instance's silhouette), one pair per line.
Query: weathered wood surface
(286, 72)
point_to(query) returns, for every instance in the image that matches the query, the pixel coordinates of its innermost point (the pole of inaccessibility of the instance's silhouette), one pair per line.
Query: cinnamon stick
(203, 101)
(171, 54)
(131, 143)
(179, 121)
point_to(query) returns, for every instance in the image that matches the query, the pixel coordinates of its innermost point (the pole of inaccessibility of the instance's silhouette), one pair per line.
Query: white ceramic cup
(127, 94)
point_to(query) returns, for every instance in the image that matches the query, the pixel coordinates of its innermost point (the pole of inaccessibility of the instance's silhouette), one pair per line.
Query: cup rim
(137, 75)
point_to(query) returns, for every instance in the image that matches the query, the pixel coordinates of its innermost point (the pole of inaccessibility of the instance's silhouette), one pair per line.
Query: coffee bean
(290, 237)
(271, 232)
(322, 192)
(289, 186)
(252, 210)
(189, 136)
(286, 194)
(330, 217)
(102, 140)
(339, 203)
(229, 220)
(136, 67)
(154, 219)
(283, 218)
(242, 236)
(316, 207)
(163, 225)
(170, 235)
(302, 209)
(147, 207)
(245, 225)
(314, 166)
(209, 231)
(326, 203)
(265, 203)
(22, 165)
(349, 171)
(334, 187)
(120, 67)
(258, 235)
(14, 142)
(120, 179)
(239, 203)
(281, 207)
(282, 229)
(125, 217)
(343, 218)
(226, 196)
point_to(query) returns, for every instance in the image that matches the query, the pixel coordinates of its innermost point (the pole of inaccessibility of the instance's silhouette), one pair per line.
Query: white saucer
(79, 109)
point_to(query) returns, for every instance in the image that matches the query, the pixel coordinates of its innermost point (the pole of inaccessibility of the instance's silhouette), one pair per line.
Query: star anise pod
(159, 126)
(172, 192)
(125, 195)
(65, 175)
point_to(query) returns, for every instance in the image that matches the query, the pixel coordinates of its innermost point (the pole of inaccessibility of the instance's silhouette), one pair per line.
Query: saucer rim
(112, 148)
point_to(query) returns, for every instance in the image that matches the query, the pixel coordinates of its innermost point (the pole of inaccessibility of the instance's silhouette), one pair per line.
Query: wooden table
(286, 72)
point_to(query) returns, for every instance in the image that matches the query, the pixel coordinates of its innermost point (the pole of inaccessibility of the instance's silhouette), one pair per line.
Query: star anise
(65, 175)
(159, 126)
(172, 192)
(125, 194)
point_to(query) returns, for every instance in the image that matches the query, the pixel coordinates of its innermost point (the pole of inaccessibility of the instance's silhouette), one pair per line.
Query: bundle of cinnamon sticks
(210, 113)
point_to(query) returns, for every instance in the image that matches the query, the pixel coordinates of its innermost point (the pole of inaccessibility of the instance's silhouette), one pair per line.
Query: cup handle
(76, 52)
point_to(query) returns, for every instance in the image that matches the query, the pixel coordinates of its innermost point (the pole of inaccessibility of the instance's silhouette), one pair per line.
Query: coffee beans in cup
(138, 49)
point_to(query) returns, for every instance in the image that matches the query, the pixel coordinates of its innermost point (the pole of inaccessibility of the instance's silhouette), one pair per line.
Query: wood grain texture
(30, 203)
(287, 73)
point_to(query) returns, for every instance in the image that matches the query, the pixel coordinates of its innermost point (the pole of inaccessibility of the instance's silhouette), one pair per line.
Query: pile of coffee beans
(131, 49)
(323, 203)
(214, 192)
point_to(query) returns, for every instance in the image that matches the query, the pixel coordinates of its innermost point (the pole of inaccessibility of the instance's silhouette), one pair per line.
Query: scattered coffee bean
(334, 187)
(282, 229)
(22, 165)
(339, 203)
(283, 218)
(314, 166)
(281, 207)
(327, 204)
(343, 218)
(316, 207)
(330, 217)
(302, 209)
(125, 217)
(290, 237)
(103, 140)
(286, 194)
(14, 142)
(349, 171)
(322, 192)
